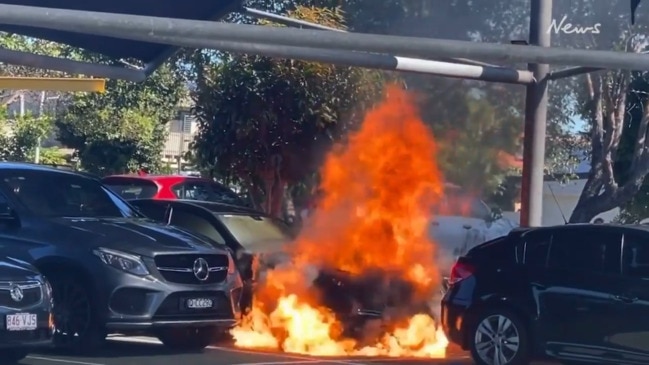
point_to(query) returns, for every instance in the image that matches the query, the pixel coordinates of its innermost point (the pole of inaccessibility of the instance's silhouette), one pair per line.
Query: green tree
(20, 137)
(123, 129)
(475, 152)
(265, 123)
(618, 135)
(637, 208)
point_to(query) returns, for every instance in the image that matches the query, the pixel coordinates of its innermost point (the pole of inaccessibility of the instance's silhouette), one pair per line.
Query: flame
(377, 194)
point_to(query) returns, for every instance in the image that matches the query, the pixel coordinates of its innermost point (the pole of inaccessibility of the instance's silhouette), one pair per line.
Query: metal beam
(371, 60)
(536, 109)
(53, 84)
(143, 28)
(169, 52)
(69, 66)
(292, 22)
(572, 71)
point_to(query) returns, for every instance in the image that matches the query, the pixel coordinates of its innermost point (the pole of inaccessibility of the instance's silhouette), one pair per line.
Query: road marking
(62, 360)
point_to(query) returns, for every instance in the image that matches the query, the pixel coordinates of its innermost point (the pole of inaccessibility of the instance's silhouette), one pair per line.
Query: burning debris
(364, 270)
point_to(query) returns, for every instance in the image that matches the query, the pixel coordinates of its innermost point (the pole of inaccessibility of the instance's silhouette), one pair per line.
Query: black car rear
(575, 293)
(25, 308)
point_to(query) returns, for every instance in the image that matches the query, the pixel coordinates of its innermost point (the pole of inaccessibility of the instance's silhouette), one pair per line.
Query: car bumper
(41, 336)
(136, 303)
(453, 322)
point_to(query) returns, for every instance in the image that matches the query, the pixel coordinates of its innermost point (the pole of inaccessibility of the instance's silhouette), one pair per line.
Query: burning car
(261, 243)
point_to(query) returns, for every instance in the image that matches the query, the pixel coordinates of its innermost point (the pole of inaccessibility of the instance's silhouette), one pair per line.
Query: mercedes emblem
(17, 294)
(201, 269)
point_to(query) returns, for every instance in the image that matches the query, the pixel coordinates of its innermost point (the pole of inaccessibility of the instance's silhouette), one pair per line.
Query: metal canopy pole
(281, 19)
(369, 60)
(144, 28)
(69, 66)
(536, 108)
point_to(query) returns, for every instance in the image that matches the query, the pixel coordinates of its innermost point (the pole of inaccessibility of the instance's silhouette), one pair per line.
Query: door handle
(624, 299)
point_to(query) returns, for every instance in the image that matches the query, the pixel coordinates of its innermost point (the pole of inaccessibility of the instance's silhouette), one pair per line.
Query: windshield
(64, 195)
(257, 233)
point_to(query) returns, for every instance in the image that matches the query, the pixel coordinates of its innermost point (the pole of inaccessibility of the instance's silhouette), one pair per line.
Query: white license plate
(21, 322)
(199, 303)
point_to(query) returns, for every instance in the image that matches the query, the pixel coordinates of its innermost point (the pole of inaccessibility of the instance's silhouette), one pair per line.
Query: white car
(465, 223)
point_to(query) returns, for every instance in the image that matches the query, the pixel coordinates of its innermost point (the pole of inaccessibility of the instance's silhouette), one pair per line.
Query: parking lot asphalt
(148, 351)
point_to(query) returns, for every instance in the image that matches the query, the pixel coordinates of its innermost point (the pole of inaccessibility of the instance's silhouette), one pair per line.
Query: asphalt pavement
(148, 351)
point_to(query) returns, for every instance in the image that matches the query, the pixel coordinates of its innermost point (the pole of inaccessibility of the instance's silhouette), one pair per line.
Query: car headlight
(126, 262)
(48, 288)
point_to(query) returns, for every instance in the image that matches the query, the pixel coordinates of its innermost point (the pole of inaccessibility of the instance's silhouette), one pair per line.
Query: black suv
(575, 293)
(25, 308)
(111, 269)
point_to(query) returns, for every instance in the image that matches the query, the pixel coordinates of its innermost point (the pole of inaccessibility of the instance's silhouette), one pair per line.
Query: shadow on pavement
(121, 349)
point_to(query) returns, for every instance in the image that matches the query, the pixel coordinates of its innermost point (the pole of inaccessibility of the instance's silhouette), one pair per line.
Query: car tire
(11, 356)
(499, 332)
(192, 339)
(77, 324)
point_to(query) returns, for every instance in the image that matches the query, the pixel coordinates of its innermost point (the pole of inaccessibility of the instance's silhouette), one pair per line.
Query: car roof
(212, 207)
(25, 166)
(523, 230)
(154, 177)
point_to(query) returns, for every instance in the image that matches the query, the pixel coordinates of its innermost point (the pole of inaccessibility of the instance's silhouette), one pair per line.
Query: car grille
(180, 268)
(19, 295)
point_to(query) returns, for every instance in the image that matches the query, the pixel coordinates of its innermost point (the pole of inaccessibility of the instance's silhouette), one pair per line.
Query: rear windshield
(130, 190)
(207, 191)
(499, 249)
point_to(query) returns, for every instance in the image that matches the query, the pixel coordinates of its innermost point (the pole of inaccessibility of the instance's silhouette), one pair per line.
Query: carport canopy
(151, 54)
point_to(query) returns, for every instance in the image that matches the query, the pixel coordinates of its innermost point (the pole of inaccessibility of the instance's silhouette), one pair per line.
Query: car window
(256, 233)
(206, 191)
(537, 248)
(64, 195)
(592, 250)
(197, 224)
(130, 190)
(636, 256)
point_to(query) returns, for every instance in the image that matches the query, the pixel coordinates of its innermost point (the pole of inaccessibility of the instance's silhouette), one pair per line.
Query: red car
(171, 187)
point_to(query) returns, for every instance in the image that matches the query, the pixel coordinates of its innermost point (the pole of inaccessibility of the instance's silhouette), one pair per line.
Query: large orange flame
(378, 191)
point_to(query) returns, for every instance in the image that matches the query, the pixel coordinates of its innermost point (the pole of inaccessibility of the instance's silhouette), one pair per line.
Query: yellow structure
(53, 84)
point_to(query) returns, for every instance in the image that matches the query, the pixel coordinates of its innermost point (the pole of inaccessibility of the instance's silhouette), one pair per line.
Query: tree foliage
(123, 129)
(637, 208)
(477, 150)
(20, 136)
(618, 165)
(265, 123)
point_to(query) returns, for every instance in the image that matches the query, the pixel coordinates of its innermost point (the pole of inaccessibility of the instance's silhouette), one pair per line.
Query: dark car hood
(12, 269)
(139, 236)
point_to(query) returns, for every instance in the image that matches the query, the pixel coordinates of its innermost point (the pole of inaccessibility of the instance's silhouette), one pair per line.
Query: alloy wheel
(497, 340)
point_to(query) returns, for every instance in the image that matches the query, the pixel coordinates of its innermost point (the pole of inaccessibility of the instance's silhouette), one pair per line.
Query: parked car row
(99, 266)
(77, 262)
